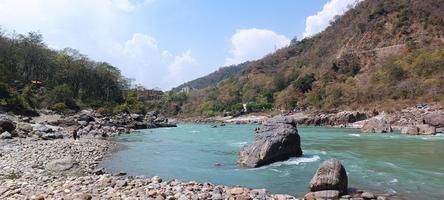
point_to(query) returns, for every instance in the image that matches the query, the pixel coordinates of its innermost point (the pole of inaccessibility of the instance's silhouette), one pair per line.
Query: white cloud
(178, 70)
(252, 44)
(145, 61)
(124, 5)
(317, 23)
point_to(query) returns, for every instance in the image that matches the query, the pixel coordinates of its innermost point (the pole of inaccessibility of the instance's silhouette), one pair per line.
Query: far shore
(424, 120)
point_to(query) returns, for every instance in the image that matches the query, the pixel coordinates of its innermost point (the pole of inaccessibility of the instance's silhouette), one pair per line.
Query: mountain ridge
(213, 78)
(358, 61)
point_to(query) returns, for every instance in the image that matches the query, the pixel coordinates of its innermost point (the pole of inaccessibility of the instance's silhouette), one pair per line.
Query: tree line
(36, 76)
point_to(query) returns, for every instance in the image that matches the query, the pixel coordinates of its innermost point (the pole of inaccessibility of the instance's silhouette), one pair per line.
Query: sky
(163, 43)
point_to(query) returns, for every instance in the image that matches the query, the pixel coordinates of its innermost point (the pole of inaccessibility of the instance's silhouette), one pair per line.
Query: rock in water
(331, 175)
(276, 140)
(376, 126)
(60, 165)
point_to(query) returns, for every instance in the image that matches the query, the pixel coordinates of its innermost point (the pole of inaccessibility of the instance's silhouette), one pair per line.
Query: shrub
(62, 94)
(305, 83)
(59, 107)
(122, 108)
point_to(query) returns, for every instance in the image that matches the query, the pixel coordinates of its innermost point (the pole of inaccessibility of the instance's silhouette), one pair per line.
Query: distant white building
(186, 89)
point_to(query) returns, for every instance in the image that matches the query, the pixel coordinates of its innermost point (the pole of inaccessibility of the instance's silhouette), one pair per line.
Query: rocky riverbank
(86, 123)
(416, 120)
(67, 169)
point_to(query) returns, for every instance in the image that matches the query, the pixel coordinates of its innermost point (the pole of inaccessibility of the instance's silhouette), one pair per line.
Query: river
(410, 166)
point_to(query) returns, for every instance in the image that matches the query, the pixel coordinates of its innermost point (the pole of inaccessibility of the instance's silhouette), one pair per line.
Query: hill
(380, 54)
(214, 78)
(33, 76)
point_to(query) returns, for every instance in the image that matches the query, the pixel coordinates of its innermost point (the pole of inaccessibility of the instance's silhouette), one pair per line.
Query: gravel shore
(68, 169)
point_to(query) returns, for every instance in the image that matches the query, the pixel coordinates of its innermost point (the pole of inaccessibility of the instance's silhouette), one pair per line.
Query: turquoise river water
(410, 166)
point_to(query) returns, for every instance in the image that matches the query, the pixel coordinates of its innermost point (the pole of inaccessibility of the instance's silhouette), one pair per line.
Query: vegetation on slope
(380, 52)
(35, 76)
(214, 78)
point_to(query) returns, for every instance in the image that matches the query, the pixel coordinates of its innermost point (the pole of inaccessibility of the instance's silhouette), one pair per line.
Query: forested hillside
(380, 54)
(35, 76)
(214, 78)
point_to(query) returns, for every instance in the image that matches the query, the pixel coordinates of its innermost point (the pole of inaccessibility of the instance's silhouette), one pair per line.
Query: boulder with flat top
(375, 125)
(276, 140)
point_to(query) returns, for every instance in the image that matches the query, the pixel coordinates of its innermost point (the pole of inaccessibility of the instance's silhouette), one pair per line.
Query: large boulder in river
(375, 125)
(276, 140)
(331, 175)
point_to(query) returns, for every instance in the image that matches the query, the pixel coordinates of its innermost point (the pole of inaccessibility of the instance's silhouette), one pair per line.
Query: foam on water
(297, 160)
(275, 170)
(238, 144)
(195, 131)
(439, 136)
(355, 134)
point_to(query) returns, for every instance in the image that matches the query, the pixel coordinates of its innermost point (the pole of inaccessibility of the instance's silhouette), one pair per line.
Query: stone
(86, 118)
(410, 130)
(3, 190)
(276, 140)
(375, 125)
(435, 119)
(80, 196)
(331, 175)
(51, 136)
(310, 196)
(99, 171)
(280, 197)
(25, 127)
(6, 135)
(137, 117)
(381, 198)
(425, 129)
(156, 179)
(152, 193)
(368, 195)
(60, 165)
(42, 128)
(236, 191)
(121, 183)
(82, 123)
(6, 124)
(216, 196)
(38, 197)
(243, 197)
(327, 194)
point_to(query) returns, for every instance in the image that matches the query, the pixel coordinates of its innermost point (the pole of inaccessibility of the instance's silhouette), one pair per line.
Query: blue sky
(162, 43)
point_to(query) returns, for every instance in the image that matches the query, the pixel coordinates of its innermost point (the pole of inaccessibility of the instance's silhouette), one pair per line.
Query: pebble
(25, 177)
